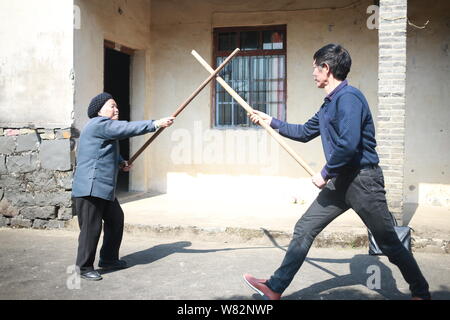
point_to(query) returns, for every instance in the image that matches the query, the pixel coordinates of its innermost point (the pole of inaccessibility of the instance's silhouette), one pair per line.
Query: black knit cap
(97, 103)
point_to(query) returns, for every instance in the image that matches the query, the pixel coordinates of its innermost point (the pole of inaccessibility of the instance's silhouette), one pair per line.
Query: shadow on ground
(352, 286)
(161, 251)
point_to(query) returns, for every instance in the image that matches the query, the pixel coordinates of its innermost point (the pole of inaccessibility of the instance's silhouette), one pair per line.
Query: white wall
(427, 142)
(36, 61)
(139, 93)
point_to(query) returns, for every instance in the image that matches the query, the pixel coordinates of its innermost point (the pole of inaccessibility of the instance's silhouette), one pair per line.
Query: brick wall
(392, 102)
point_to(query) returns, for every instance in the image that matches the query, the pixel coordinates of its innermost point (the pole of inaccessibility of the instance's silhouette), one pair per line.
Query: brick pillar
(391, 99)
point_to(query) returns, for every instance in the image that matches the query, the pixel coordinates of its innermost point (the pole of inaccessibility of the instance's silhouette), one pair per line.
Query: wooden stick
(249, 109)
(184, 104)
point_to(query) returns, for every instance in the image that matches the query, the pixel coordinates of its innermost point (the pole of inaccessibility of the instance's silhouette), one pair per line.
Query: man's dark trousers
(91, 211)
(363, 191)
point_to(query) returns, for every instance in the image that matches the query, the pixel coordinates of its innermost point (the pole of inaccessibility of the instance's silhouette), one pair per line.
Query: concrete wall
(427, 171)
(36, 60)
(194, 159)
(126, 23)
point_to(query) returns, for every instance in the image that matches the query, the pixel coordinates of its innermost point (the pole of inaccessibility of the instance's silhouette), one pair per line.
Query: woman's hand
(164, 122)
(125, 166)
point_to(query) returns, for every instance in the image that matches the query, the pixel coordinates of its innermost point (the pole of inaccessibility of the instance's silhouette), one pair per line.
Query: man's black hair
(336, 57)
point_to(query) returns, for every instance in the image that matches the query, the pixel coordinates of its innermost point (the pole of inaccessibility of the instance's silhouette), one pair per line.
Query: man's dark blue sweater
(345, 125)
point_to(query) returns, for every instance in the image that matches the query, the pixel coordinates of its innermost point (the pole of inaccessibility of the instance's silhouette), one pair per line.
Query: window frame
(260, 52)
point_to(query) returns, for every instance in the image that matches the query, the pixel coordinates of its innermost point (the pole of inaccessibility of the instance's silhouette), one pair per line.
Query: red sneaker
(261, 288)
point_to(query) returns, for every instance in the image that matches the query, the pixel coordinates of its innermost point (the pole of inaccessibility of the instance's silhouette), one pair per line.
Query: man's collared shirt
(345, 124)
(330, 96)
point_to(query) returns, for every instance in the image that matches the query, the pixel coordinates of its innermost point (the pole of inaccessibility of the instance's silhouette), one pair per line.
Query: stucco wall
(427, 163)
(100, 20)
(36, 60)
(182, 25)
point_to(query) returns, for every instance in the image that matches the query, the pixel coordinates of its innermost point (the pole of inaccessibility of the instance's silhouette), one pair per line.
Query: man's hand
(125, 166)
(164, 122)
(318, 181)
(256, 116)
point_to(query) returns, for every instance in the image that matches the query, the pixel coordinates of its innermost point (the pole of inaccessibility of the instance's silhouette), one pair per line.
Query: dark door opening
(117, 83)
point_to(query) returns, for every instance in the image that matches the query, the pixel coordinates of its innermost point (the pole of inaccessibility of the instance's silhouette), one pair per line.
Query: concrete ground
(38, 264)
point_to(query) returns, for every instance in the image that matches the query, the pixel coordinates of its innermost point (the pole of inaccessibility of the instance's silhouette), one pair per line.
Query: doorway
(117, 83)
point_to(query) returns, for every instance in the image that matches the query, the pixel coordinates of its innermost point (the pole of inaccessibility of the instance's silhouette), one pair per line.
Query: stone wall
(36, 168)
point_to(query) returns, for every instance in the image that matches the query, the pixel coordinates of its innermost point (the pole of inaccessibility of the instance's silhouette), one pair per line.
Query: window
(257, 73)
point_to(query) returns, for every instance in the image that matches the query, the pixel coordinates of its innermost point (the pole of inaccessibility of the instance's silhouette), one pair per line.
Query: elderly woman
(94, 183)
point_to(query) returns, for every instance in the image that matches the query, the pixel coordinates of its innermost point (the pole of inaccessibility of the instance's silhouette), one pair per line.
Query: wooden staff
(249, 110)
(184, 104)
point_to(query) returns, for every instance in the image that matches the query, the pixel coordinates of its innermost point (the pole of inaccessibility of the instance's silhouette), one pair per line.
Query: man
(351, 177)
(94, 183)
